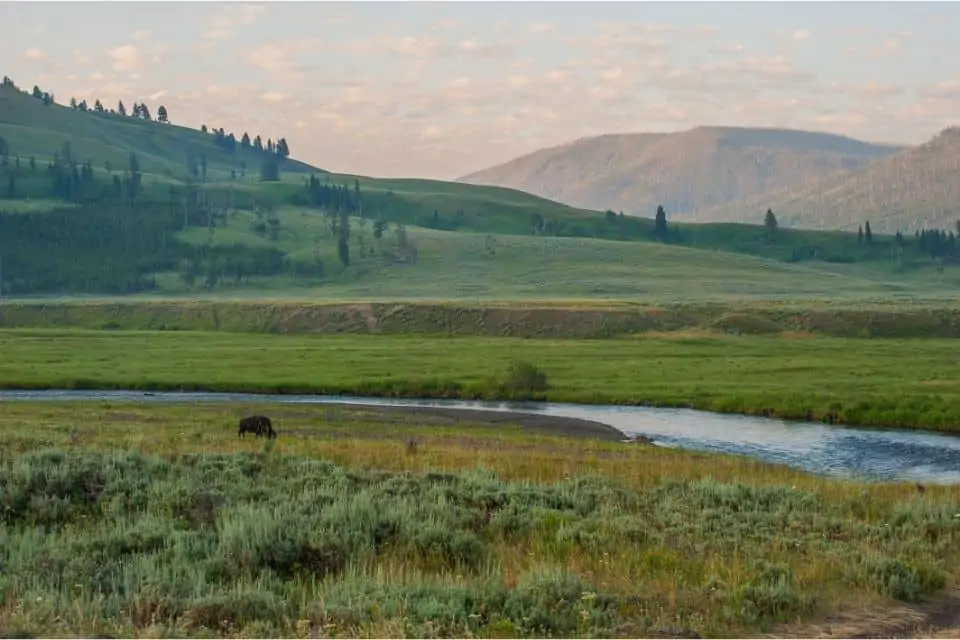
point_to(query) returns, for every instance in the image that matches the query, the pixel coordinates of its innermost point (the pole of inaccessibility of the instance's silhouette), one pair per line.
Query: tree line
(227, 141)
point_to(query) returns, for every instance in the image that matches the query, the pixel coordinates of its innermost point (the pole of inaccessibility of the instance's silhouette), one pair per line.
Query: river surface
(867, 454)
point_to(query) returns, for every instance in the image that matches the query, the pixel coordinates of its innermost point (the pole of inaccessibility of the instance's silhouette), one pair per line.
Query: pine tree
(660, 224)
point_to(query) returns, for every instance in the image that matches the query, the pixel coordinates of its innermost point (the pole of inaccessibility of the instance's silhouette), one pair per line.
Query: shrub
(525, 378)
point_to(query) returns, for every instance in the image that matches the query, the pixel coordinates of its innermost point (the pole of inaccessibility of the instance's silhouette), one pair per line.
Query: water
(867, 454)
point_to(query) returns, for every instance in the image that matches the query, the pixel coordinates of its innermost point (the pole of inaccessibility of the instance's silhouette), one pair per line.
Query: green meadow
(890, 382)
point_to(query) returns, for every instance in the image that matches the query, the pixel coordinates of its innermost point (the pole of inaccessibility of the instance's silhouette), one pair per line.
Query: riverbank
(163, 522)
(886, 383)
(889, 318)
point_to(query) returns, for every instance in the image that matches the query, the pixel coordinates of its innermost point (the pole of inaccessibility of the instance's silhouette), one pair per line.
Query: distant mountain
(916, 188)
(694, 174)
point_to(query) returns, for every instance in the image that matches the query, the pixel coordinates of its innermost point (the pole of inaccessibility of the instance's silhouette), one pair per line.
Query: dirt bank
(516, 320)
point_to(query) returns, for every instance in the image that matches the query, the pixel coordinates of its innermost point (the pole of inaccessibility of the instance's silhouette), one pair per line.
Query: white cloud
(877, 90)
(228, 23)
(728, 49)
(273, 96)
(946, 90)
(125, 57)
(801, 34)
(33, 54)
(141, 34)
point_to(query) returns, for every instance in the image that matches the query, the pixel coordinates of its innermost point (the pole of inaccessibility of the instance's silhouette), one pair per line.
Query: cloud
(727, 49)
(125, 57)
(141, 34)
(876, 90)
(228, 23)
(484, 49)
(946, 90)
(800, 35)
(34, 54)
(542, 28)
(273, 96)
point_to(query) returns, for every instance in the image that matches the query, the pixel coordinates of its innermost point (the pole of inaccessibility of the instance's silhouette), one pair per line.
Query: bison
(257, 425)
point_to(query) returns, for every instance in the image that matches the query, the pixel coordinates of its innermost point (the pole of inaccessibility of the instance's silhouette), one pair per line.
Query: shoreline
(466, 417)
(454, 391)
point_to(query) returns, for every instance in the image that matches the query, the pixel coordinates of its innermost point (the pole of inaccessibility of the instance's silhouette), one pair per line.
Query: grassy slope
(31, 129)
(690, 172)
(456, 265)
(892, 382)
(163, 522)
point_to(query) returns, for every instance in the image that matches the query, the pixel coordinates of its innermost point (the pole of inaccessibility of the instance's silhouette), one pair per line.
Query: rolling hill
(32, 128)
(691, 173)
(71, 230)
(915, 189)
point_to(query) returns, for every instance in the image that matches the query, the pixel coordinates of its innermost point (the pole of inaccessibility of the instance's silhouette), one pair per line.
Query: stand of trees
(102, 248)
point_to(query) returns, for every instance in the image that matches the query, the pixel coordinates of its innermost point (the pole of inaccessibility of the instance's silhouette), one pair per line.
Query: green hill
(79, 215)
(32, 128)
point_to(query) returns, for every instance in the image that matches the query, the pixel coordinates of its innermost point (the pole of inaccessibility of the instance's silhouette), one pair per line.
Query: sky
(441, 89)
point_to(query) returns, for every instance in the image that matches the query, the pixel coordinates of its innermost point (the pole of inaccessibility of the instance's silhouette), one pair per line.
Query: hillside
(32, 128)
(73, 222)
(915, 189)
(690, 173)
(29, 128)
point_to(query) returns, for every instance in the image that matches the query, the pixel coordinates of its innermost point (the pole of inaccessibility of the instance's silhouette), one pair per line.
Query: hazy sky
(442, 89)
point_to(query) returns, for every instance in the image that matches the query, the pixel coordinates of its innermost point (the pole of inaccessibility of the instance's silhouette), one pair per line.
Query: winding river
(862, 453)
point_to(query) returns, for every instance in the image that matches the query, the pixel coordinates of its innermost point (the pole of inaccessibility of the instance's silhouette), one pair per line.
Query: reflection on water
(871, 454)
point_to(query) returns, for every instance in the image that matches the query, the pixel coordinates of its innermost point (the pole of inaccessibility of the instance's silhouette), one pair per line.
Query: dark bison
(257, 425)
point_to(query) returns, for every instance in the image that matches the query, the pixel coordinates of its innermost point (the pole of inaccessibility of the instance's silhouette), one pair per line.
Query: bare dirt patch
(938, 617)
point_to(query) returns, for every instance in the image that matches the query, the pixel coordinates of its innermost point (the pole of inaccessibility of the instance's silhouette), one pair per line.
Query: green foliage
(524, 379)
(259, 541)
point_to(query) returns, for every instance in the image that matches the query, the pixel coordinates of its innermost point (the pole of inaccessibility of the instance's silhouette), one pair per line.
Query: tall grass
(159, 521)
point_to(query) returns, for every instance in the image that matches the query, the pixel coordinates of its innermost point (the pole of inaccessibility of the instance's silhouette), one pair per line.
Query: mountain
(915, 189)
(691, 173)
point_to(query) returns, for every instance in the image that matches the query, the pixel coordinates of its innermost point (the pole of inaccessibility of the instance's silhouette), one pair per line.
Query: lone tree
(660, 224)
(770, 226)
(162, 114)
(867, 234)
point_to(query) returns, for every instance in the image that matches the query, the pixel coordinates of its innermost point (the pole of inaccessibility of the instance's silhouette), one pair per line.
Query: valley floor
(909, 382)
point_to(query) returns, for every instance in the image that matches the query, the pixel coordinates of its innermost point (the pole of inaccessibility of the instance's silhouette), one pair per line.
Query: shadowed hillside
(690, 173)
(915, 189)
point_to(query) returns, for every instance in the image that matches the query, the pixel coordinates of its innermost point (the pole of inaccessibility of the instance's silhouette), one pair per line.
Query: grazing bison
(257, 425)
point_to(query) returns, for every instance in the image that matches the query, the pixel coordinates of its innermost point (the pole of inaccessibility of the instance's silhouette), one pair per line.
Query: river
(862, 453)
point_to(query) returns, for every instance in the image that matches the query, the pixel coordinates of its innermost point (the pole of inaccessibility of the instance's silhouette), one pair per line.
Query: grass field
(132, 520)
(892, 382)
(459, 265)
